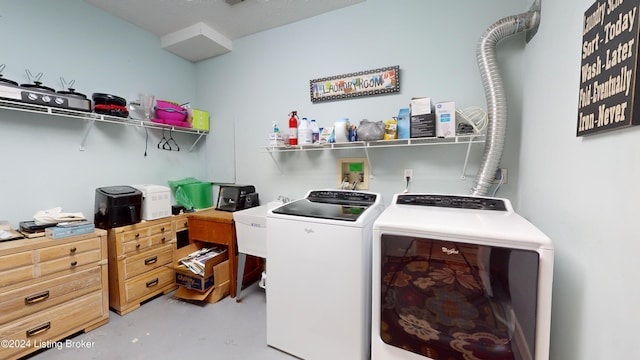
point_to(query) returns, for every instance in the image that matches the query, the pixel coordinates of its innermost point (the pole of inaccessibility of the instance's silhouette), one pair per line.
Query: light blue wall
(267, 75)
(583, 193)
(580, 191)
(41, 164)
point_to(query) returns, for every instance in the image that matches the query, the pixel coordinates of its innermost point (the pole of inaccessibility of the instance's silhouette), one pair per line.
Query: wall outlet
(408, 173)
(500, 174)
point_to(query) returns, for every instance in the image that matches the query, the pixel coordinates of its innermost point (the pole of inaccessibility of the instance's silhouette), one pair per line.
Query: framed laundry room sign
(607, 96)
(363, 83)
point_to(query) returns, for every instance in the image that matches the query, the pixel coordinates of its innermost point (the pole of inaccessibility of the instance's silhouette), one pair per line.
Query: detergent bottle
(315, 131)
(341, 130)
(275, 138)
(305, 133)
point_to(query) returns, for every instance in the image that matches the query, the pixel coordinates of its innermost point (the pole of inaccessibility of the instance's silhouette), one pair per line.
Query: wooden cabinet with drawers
(218, 227)
(51, 289)
(140, 259)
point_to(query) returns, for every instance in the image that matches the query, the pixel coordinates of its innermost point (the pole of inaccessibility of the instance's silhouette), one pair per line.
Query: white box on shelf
(446, 119)
(156, 201)
(420, 105)
(276, 139)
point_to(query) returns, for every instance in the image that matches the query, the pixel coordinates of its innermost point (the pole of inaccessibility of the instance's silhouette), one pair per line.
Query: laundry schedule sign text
(607, 98)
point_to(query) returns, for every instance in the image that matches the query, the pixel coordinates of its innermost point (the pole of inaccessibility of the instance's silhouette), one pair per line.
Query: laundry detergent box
(422, 121)
(423, 125)
(192, 258)
(404, 123)
(446, 119)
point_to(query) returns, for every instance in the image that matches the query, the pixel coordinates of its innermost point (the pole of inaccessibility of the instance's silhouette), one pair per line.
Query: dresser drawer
(135, 234)
(210, 230)
(68, 250)
(136, 246)
(13, 261)
(149, 282)
(52, 323)
(162, 228)
(17, 275)
(181, 224)
(68, 263)
(148, 260)
(21, 302)
(160, 239)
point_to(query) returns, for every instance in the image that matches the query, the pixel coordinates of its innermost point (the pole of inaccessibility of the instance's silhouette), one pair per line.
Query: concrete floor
(169, 328)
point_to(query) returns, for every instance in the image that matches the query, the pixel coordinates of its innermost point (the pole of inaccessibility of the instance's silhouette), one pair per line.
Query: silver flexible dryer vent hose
(494, 92)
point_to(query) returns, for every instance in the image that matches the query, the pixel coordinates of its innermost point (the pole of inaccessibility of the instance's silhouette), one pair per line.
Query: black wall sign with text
(608, 98)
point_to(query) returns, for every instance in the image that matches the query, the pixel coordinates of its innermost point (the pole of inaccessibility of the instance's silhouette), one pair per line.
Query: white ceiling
(200, 29)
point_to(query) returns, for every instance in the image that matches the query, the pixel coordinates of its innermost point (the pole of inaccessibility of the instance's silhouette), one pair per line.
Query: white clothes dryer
(319, 264)
(459, 277)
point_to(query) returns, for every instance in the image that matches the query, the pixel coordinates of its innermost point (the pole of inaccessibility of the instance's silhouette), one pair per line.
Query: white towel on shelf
(55, 215)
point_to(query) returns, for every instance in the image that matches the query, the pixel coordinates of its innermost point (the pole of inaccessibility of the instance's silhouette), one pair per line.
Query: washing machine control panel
(452, 201)
(342, 196)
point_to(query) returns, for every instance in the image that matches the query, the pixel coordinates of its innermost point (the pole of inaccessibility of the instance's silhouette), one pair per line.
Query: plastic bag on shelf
(370, 131)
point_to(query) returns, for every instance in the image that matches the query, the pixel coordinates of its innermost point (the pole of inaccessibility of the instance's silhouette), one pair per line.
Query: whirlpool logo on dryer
(450, 251)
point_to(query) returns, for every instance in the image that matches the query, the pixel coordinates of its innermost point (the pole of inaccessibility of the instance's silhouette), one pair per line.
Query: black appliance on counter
(234, 197)
(117, 206)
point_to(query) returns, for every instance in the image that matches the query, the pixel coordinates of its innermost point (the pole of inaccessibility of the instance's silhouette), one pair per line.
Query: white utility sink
(251, 230)
(251, 236)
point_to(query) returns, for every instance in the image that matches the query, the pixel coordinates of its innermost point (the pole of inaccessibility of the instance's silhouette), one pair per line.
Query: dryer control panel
(453, 201)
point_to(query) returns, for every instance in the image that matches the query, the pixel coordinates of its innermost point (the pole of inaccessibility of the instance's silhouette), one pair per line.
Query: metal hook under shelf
(86, 134)
(276, 162)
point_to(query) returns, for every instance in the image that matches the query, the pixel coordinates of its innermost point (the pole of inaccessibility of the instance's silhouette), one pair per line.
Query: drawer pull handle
(151, 260)
(153, 282)
(137, 236)
(39, 329)
(186, 224)
(73, 249)
(137, 246)
(36, 298)
(74, 263)
(162, 229)
(164, 239)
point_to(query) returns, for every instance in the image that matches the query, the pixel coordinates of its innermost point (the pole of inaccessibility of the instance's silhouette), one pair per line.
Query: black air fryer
(117, 206)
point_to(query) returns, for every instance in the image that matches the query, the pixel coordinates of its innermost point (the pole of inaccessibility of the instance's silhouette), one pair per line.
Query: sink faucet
(284, 199)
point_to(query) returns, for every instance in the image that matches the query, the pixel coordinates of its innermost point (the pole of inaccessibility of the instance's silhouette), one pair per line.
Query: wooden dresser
(140, 259)
(51, 289)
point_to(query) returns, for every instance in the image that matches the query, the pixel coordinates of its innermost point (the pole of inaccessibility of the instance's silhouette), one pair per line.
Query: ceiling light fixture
(233, 2)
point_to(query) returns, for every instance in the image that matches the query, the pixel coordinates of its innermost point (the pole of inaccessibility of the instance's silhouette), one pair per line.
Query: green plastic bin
(192, 193)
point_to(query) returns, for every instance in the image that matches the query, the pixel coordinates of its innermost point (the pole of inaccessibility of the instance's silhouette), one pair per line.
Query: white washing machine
(319, 263)
(459, 277)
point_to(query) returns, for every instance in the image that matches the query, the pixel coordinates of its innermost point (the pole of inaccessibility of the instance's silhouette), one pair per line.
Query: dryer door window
(453, 300)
